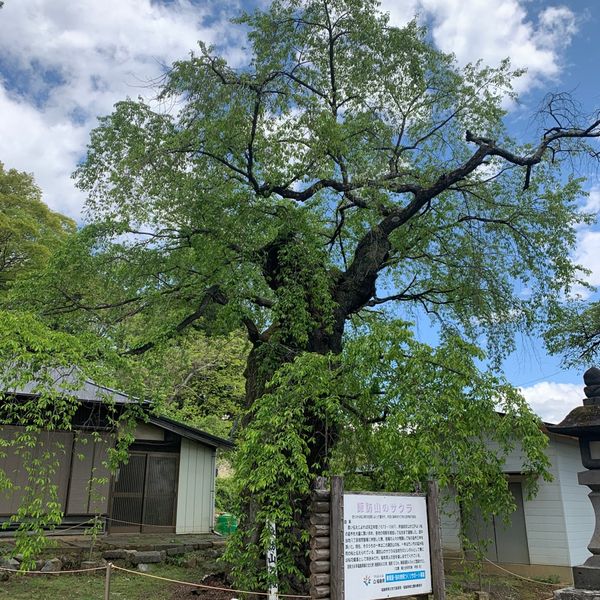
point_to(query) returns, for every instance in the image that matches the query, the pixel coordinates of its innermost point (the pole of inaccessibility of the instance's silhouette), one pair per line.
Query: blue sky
(64, 63)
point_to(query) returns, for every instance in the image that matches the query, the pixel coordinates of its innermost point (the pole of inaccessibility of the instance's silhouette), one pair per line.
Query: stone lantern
(583, 422)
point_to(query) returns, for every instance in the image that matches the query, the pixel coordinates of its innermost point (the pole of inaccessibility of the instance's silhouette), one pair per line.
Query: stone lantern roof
(584, 421)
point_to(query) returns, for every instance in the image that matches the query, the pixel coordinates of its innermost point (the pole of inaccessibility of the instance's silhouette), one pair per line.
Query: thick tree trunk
(350, 292)
(260, 368)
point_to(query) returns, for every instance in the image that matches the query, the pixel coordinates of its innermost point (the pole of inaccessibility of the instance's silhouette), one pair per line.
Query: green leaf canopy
(347, 175)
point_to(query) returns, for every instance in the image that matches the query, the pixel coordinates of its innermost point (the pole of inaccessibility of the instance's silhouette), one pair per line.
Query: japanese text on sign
(386, 546)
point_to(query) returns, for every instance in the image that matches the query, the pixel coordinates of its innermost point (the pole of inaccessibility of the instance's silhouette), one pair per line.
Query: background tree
(349, 175)
(200, 380)
(33, 352)
(29, 230)
(575, 333)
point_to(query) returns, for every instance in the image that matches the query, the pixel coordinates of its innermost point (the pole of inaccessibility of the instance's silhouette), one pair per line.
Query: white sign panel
(386, 546)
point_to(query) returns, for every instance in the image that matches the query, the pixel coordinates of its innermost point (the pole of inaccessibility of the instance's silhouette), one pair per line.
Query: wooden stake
(107, 581)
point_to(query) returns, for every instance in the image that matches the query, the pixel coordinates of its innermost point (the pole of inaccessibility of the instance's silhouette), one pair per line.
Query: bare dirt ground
(183, 592)
(499, 587)
(458, 588)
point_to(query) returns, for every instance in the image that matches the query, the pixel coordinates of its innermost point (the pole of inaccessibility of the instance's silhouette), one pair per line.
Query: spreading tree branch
(213, 295)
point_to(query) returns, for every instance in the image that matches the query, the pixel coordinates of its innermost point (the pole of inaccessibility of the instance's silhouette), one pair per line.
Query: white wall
(196, 489)
(450, 522)
(544, 514)
(545, 519)
(546, 525)
(579, 514)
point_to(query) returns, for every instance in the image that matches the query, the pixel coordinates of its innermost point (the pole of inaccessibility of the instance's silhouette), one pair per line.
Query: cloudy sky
(64, 62)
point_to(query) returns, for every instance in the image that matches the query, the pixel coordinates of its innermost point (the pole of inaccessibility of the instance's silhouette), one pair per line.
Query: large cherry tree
(348, 181)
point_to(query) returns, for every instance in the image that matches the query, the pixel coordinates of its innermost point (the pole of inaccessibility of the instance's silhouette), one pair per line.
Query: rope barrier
(207, 587)
(106, 520)
(52, 572)
(59, 531)
(138, 524)
(53, 531)
(521, 576)
(116, 568)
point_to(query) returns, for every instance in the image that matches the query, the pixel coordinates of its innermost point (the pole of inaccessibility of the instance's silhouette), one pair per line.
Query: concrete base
(587, 578)
(573, 594)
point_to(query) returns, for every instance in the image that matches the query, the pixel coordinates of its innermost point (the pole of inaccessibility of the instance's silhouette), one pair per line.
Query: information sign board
(386, 546)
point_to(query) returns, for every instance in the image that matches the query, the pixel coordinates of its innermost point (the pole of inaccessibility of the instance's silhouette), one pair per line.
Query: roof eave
(190, 433)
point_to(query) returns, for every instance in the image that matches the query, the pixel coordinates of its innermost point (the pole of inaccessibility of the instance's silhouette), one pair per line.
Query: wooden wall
(73, 459)
(90, 479)
(196, 491)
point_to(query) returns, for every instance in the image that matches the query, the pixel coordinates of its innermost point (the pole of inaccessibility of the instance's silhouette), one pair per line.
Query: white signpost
(385, 546)
(272, 560)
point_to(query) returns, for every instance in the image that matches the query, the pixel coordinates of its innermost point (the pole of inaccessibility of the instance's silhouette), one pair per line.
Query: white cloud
(74, 60)
(492, 31)
(592, 203)
(67, 62)
(29, 142)
(553, 401)
(587, 254)
(587, 249)
(400, 12)
(557, 26)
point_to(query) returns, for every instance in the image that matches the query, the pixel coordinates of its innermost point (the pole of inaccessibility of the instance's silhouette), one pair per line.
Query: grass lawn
(499, 587)
(127, 586)
(91, 587)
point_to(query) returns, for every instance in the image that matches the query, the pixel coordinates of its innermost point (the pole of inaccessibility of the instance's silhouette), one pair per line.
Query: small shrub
(553, 579)
(225, 494)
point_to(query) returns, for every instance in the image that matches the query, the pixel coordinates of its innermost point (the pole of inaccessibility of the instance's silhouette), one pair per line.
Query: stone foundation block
(118, 554)
(147, 557)
(10, 563)
(587, 577)
(573, 594)
(92, 564)
(183, 549)
(52, 566)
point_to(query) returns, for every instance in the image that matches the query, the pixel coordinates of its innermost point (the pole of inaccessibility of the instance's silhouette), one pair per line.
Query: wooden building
(167, 485)
(546, 535)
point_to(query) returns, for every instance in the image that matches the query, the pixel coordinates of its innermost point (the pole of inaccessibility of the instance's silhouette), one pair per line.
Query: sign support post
(435, 541)
(336, 533)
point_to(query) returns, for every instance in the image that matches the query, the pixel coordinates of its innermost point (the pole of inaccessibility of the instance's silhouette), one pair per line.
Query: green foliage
(441, 412)
(551, 579)
(31, 354)
(574, 332)
(407, 413)
(225, 494)
(94, 529)
(348, 165)
(199, 380)
(272, 466)
(29, 230)
(485, 256)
